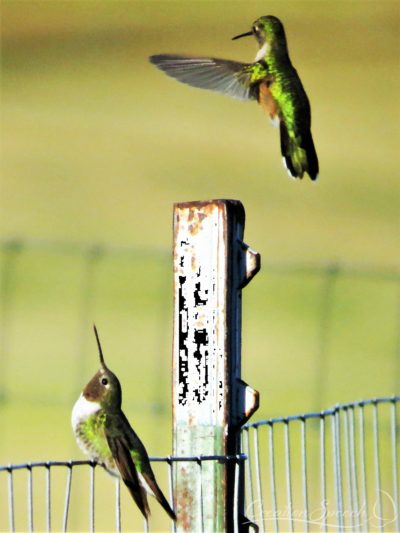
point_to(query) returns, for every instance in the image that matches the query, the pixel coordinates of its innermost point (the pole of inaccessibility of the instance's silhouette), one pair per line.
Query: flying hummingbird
(103, 432)
(271, 80)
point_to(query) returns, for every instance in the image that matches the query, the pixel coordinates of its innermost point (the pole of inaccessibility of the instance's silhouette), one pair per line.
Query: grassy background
(96, 147)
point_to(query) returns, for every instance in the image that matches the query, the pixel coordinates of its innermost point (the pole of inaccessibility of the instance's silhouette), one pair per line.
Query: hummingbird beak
(99, 346)
(247, 34)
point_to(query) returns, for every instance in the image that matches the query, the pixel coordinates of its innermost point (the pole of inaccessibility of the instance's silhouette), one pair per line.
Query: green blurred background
(97, 145)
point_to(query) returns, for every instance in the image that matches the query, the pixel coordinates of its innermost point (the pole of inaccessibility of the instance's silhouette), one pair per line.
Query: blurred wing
(127, 469)
(228, 77)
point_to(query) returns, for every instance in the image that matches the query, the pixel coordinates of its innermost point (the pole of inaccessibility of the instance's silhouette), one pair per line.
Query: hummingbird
(272, 80)
(104, 434)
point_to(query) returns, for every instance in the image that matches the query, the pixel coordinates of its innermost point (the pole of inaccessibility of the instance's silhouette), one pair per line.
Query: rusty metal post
(210, 401)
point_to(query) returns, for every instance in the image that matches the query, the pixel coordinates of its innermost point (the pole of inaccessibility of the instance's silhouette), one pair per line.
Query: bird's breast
(82, 409)
(92, 441)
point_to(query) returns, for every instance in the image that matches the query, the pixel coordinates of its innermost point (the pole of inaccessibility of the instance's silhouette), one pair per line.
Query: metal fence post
(210, 401)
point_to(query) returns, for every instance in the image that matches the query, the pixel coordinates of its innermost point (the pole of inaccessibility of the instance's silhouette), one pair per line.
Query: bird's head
(268, 30)
(104, 387)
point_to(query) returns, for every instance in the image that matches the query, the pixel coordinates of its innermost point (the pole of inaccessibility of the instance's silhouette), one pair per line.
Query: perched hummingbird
(271, 80)
(103, 432)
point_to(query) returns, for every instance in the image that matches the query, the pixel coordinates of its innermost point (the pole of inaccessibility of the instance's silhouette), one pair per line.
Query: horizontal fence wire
(331, 470)
(37, 493)
(89, 259)
(17, 245)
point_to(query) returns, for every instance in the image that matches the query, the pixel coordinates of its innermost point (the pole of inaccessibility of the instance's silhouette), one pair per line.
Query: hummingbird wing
(222, 75)
(143, 467)
(122, 457)
(133, 463)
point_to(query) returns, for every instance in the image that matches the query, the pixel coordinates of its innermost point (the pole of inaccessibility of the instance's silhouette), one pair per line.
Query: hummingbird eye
(104, 381)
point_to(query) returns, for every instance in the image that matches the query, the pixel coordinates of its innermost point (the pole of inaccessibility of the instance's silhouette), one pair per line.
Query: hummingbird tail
(139, 497)
(299, 157)
(149, 481)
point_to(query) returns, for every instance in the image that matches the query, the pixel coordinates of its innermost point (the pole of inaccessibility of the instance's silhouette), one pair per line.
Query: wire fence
(44, 493)
(85, 278)
(333, 470)
(48, 267)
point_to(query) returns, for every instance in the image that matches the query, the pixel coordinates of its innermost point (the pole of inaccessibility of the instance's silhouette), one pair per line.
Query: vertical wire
(171, 489)
(11, 517)
(353, 457)
(304, 470)
(258, 477)
(246, 448)
(7, 271)
(91, 257)
(236, 496)
(92, 496)
(48, 498)
(364, 489)
(395, 466)
(272, 476)
(335, 468)
(348, 467)
(397, 345)
(118, 505)
(245, 481)
(378, 502)
(339, 468)
(10, 250)
(67, 498)
(325, 315)
(161, 328)
(30, 499)
(199, 462)
(323, 470)
(288, 476)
